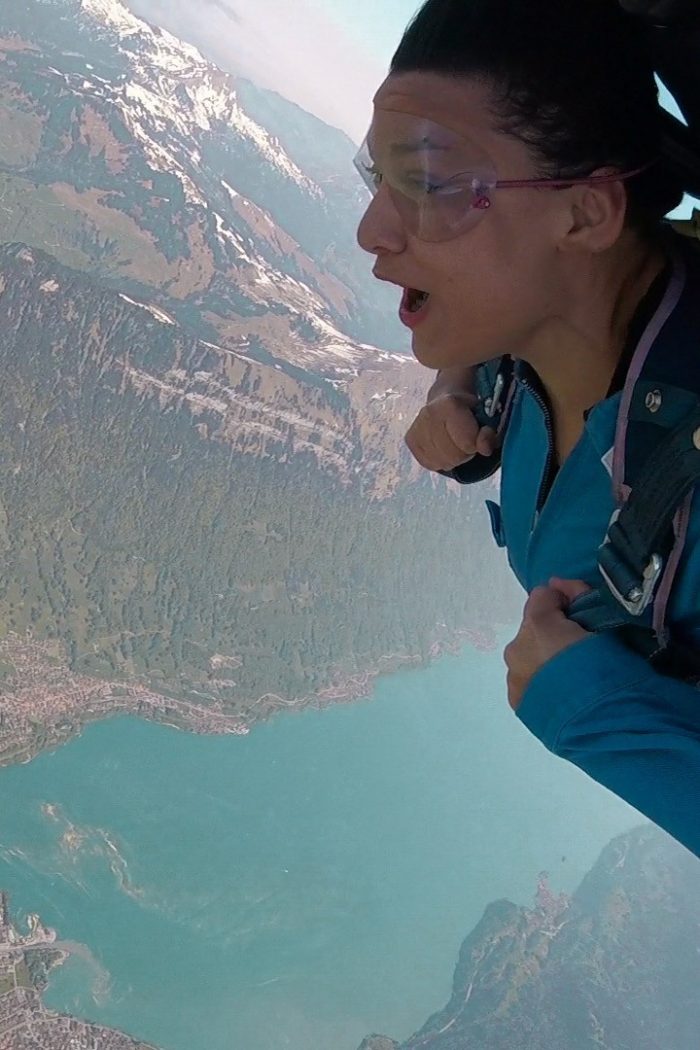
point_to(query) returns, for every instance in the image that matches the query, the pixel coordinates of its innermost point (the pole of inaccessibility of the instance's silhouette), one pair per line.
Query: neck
(577, 351)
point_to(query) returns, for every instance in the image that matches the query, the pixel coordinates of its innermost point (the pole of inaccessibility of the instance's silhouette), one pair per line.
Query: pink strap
(621, 490)
(668, 304)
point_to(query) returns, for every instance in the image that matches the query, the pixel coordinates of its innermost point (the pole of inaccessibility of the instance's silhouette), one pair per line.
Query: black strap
(642, 529)
(670, 471)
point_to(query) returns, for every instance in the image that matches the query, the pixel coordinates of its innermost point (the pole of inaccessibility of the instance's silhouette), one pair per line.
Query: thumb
(486, 442)
(571, 589)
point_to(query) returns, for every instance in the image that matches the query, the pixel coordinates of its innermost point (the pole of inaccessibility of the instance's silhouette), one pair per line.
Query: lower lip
(412, 318)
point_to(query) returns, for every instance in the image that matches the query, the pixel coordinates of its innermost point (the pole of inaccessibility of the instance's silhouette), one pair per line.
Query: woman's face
(490, 287)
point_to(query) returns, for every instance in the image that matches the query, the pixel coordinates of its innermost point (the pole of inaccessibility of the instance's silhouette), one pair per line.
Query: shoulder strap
(656, 464)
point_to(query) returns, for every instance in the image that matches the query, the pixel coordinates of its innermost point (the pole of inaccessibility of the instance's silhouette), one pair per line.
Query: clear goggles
(439, 182)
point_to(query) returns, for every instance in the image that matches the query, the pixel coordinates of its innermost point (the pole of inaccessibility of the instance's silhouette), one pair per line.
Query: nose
(381, 229)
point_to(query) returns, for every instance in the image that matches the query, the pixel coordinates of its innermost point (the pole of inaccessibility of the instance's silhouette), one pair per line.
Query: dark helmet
(673, 31)
(664, 12)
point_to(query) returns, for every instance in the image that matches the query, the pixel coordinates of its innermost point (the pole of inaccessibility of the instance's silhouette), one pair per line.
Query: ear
(594, 214)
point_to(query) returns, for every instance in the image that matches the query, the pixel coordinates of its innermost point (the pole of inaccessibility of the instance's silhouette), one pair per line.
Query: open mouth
(414, 306)
(415, 299)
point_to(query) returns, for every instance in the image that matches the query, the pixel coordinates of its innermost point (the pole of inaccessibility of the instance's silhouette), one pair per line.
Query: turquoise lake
(306, 885)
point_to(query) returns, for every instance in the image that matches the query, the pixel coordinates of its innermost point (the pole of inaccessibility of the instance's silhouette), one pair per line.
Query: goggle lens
(430, 174)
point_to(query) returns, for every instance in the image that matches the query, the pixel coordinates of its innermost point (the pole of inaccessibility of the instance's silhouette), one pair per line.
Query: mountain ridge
(613, 966)
(169, 141)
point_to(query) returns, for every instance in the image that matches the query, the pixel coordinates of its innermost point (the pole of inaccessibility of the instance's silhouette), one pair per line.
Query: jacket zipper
(549, 472)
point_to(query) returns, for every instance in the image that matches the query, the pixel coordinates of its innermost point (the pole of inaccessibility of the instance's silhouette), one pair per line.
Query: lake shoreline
(44, 704)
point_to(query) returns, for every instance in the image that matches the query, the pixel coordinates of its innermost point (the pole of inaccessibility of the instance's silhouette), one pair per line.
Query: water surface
(305, 885)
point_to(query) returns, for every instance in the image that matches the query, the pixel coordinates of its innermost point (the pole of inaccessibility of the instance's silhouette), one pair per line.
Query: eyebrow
(409, 147)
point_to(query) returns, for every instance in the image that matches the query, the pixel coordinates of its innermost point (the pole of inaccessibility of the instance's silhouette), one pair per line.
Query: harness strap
(656, 465)
(640, 541)
(641, 528)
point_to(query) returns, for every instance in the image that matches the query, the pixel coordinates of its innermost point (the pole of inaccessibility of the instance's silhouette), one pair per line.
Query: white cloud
(287, 45)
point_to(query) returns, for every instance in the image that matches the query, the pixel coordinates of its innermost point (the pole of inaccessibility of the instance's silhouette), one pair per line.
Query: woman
(515, 158)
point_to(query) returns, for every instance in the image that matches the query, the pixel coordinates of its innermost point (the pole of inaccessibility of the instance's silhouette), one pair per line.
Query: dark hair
(572, 79)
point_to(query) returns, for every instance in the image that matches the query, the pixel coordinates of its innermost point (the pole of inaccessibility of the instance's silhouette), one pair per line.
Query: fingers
(439, 441)
(446, 433)
(458, 430)
(514, 689)
(572, 589)
(425, 450)
(543, 601)
(487, 442)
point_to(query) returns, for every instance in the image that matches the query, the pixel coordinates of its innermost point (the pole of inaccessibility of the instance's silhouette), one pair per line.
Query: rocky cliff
(614, 967)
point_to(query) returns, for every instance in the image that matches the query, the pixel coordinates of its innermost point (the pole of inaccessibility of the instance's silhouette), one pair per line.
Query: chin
(429, 356)
(423, 357)
(434, 358)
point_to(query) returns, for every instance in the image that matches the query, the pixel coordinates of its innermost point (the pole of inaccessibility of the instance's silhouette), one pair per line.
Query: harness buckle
(492, 404)
(635, 598)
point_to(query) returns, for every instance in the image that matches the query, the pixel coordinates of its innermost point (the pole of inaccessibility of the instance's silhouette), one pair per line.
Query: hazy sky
(329, 56)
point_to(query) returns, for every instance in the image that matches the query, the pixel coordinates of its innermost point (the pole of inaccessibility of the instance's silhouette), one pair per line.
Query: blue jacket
(598, 703)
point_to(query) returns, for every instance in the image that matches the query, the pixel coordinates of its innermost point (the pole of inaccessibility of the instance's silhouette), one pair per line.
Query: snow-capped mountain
(128, 156)
(153, 136)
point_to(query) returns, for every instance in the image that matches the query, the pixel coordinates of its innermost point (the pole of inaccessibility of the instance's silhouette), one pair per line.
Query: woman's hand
(446, 433)
(544, 632)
